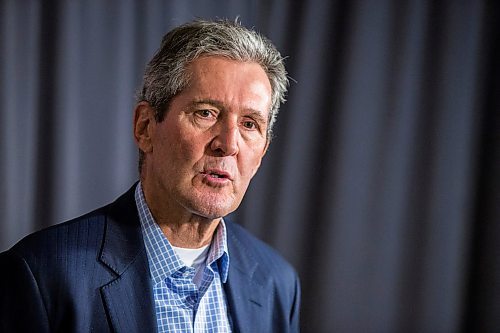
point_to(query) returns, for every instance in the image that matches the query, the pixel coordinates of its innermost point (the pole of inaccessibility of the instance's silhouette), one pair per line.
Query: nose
(225, 142)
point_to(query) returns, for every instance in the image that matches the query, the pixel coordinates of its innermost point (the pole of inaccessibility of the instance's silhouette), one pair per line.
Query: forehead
(242, 72)
(227, 80)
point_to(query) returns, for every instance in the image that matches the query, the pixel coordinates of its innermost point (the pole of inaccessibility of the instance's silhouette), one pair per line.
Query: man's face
(202, 156)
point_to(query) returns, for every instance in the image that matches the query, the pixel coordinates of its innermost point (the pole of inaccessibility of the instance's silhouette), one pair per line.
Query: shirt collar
(218, 253)
(163, 260)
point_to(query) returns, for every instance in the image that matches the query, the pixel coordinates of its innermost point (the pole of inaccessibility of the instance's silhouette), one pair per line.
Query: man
(161, 258)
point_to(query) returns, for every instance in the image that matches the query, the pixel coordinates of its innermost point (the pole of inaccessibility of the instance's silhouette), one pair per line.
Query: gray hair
(165, 75)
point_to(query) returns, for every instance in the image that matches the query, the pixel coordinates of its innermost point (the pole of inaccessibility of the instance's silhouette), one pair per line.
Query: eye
(248, 124)
(204, 113)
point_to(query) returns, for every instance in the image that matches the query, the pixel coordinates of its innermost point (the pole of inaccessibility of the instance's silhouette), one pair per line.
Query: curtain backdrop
(382, 185)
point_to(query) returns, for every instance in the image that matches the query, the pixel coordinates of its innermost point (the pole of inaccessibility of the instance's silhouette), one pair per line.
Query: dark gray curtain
(382, 185)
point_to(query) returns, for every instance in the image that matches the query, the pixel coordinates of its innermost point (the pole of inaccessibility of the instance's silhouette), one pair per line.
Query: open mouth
(218, 174)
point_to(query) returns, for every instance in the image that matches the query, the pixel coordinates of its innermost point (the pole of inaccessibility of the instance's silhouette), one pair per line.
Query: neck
(181, 227)
(193, 233)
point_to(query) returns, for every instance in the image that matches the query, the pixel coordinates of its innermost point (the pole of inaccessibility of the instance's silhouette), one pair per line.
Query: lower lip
(215, 181)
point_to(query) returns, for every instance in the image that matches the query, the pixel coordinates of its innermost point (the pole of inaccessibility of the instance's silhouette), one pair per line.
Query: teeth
(216, 175)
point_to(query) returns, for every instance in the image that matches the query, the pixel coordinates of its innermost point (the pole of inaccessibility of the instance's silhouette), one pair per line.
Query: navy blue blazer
(91, 274)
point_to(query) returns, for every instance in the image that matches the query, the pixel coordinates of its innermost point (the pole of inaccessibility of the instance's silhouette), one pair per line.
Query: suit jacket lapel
(128, 298)
(245, 291)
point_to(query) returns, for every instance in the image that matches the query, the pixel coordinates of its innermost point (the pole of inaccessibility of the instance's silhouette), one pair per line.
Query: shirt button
(191, 299)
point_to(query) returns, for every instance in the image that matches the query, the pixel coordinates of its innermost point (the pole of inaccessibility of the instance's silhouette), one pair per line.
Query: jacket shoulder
(83, 231)
(80, 233)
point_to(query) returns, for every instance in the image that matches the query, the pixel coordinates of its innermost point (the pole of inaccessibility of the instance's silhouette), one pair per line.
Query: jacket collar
(245, 288)
(127, 297)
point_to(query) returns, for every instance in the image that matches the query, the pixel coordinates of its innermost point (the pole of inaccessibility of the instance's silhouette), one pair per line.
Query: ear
(144, 122)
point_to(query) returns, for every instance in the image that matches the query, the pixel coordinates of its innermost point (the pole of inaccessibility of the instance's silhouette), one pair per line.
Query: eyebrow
(256, 114)
(213, 102)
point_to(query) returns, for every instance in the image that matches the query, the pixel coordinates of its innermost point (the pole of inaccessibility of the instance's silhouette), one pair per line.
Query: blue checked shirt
(180, 304)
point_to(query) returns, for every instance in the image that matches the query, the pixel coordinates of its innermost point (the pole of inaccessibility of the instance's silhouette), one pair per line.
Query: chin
(208, 204)
(212, 209)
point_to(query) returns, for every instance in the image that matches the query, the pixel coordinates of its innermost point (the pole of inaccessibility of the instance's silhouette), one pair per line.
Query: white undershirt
(192, 257)
(195, 258)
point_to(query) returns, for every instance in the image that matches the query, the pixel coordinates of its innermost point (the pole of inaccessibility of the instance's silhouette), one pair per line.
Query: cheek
(171, 138)
(183, 152)
(250, 164)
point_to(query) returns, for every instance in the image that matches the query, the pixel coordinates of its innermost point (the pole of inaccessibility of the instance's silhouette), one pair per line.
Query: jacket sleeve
(21, 305)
